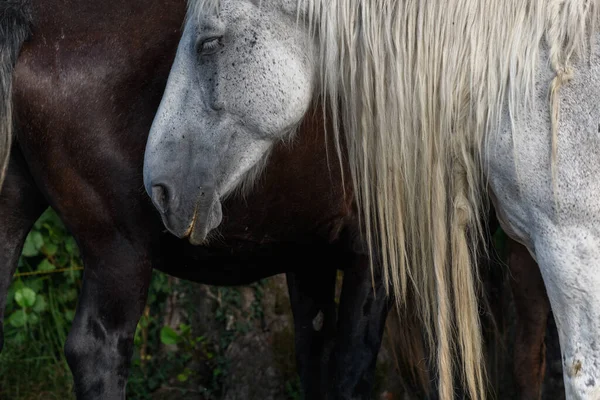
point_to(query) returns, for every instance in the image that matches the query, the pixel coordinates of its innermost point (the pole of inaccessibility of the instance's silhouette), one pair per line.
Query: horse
(438, 108)
(86, 79)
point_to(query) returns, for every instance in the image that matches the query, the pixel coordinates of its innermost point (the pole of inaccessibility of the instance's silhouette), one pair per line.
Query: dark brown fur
(533, 308)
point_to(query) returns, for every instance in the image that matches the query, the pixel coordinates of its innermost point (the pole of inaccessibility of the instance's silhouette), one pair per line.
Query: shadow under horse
(87, 83)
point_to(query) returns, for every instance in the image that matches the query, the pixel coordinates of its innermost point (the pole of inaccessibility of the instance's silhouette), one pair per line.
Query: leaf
(37, 239)
(69, 315)
(49, 217)
(50, 249)
(182, 377)
(10, 297)
(144, 321)
(25, 297)
(40, 304)
(185, 329)
(29, 249)
(46, 265)
(20, 338)
(61, 259)
(168, 336)
(67, 295)
(18, 319)
(137, 337)
(35, 284)
(33, 319)
(71, 246)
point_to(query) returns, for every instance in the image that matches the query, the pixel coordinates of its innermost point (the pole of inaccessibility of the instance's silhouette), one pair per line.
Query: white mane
(416, 85)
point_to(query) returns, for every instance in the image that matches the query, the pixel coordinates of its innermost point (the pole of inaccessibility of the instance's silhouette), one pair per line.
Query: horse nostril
(160, 196)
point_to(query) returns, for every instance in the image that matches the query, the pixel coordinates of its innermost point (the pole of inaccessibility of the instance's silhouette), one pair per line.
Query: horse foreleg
(568, 259)
(100, 343)
(312, 296)
(362, 314)
(21, 203)
(532, 307)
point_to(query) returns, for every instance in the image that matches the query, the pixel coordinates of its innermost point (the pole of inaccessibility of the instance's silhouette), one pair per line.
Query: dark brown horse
(86, 86)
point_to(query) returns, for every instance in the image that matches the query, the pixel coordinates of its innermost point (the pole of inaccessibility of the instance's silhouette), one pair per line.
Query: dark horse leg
(116, 244)
(312, 296)
(362, 315)
(100, 343)
(533, 307)
(21, 203)
(85, 95)
(336, 357)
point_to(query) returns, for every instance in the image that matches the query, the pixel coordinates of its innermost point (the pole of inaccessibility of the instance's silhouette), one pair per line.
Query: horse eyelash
(209, 45)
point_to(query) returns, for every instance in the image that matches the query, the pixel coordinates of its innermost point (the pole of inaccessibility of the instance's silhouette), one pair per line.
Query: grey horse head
(242, 80)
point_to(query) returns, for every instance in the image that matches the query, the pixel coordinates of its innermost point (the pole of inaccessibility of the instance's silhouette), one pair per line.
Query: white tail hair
(414, 86)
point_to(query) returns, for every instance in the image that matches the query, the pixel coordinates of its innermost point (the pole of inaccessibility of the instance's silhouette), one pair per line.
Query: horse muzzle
(206, 212)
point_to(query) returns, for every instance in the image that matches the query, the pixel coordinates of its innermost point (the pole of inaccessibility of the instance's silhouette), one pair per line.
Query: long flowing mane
(415, 86)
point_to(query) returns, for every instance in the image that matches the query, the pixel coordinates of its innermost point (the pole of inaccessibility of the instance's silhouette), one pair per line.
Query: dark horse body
(87, 84)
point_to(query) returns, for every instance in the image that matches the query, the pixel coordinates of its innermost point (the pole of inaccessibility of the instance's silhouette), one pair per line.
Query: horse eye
(209, 46)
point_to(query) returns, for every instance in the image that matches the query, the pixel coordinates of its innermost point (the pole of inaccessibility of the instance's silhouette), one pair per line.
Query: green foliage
(173, 360)
(293, 389)
(154, 368)
(40, 307)
(168, 336)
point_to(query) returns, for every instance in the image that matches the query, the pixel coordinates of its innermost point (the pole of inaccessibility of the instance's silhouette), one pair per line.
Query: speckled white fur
(562, 229)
